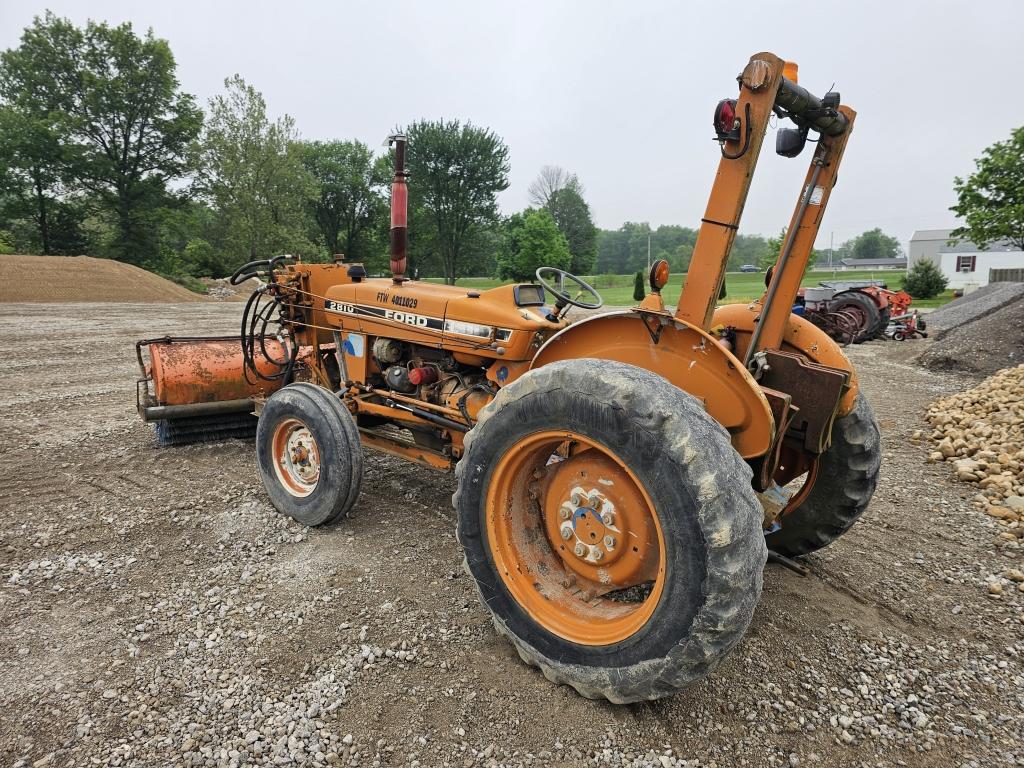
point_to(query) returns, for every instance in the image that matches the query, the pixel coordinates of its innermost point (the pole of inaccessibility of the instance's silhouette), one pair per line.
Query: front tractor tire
(846, 480)
(610, 529)
(310, 459)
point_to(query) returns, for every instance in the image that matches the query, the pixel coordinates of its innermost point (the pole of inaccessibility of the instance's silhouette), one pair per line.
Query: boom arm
(800, 237)
(764, 89)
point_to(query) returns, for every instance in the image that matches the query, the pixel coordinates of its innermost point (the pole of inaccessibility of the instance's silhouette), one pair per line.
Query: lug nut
(607, 518)
(565, 512)
(567, 532)
(580, 549)
(609, 542)
(596, 553)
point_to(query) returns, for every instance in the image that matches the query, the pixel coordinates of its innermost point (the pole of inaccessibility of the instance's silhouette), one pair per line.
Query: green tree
(639, 291)
(186, 227)
(772, 248)
(351, 200)
(748, 249)
(874, 244)
(623, 251)
(924, 280)
(672, 243)
(572, 216)
(30, 153)
(252, 174)
(991, 200)
(457, 172)
(612, 251)
(532, 240)
(113, 100)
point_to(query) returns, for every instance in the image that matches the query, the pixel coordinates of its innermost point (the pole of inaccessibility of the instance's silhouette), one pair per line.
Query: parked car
(749, 268)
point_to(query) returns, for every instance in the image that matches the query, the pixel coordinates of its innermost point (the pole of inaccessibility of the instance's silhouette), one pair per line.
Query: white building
(873, 264)
(925, 244)
(964, 264)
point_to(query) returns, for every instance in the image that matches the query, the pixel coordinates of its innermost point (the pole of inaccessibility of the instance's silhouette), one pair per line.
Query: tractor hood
(506, 317)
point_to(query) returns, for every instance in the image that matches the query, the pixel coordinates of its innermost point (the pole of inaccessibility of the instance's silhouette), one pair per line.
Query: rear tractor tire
(610, 529)
(846, 480)
(310, 459)
(862, 307)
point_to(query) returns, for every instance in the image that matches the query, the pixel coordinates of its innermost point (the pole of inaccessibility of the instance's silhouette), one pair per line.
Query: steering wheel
(561, 295)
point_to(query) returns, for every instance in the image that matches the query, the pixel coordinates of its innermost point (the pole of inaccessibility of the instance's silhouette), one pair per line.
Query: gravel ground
(992, 341)
(157, 611)
(973, 306)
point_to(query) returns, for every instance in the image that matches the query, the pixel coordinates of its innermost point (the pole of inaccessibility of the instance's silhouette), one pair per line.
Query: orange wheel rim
(575, 538)
(296, 457)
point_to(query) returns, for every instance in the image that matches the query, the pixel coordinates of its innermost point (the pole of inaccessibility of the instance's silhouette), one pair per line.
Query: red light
(725, 116)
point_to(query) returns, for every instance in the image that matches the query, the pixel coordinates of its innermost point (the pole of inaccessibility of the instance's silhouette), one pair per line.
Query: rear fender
(801, 336)
(688, 357)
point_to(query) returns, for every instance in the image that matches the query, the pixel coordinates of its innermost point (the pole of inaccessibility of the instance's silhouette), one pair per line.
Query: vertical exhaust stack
(399, 210)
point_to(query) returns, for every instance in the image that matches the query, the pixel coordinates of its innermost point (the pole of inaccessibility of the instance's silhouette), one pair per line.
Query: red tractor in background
(851, 312)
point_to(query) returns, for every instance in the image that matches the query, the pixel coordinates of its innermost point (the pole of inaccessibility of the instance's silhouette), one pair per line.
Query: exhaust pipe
(399, 210)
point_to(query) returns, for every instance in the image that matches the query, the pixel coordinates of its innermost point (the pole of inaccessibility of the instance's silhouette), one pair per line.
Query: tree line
(625, 250)
(103, 153)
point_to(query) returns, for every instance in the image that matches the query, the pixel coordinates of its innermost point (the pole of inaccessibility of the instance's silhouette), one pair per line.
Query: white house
(964, 264)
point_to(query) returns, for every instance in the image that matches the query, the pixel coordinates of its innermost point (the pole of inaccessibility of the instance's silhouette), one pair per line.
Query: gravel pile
(980, 433)
(989, 343)
(220, 289)
(973, 306)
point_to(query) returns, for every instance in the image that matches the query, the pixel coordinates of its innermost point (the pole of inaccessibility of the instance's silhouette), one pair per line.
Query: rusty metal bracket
(815, 391)
(143, 401)
(800, 496)
(782, 413)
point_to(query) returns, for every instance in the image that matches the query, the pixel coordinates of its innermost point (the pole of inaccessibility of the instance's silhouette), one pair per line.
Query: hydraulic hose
(255, 320)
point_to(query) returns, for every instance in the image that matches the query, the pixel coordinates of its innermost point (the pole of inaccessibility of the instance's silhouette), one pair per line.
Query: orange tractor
(621, 478)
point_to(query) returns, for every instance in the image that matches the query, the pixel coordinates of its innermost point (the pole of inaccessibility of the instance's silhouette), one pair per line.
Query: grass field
(740, 286)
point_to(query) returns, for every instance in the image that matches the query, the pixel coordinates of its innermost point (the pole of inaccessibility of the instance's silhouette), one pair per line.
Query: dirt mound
(989, 343)
(973, 306)
(83, 278)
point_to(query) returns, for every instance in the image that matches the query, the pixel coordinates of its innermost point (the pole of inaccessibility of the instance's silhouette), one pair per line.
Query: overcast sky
(621, 93)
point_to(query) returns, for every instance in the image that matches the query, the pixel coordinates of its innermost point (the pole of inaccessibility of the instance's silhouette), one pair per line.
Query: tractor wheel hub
(599, 522)
(588, 523)
(296, 457)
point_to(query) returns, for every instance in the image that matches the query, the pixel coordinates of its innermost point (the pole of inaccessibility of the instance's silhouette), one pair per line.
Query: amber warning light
(659, 275)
